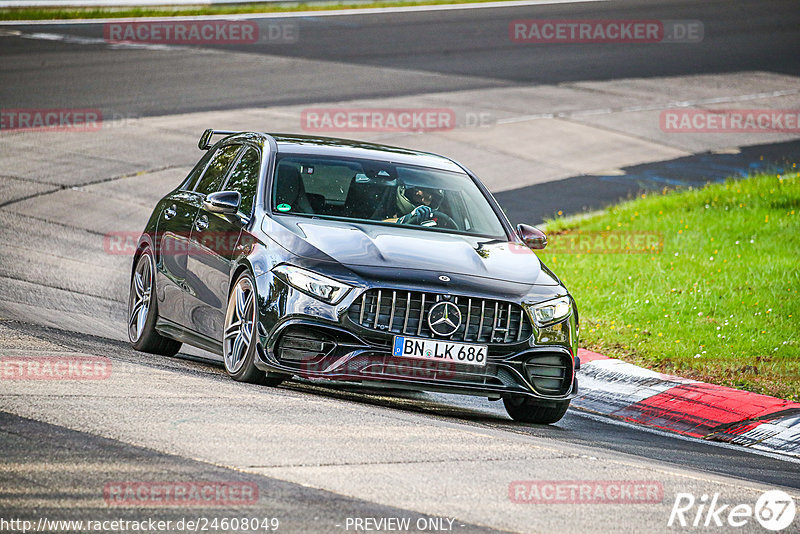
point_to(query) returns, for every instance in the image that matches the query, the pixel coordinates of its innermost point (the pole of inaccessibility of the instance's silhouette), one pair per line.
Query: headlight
(316, 285)
(551, 311)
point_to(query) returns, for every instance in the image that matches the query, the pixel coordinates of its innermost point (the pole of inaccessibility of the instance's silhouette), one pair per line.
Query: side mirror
(532, 236)
(225, 202)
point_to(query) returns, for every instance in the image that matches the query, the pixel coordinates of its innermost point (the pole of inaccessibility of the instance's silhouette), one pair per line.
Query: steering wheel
(445, 221)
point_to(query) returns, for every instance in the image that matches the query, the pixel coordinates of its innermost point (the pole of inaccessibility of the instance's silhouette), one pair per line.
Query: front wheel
(143, 311)
(241, 335)
(528, 410)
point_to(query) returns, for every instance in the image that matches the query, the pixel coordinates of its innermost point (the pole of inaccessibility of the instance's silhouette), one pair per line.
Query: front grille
(406, 312)
(549, 374)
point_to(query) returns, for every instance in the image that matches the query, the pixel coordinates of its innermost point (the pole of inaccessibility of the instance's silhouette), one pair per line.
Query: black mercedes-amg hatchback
(323, 258)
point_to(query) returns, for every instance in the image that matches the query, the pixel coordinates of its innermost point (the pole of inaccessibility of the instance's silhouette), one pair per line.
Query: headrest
(289, 185)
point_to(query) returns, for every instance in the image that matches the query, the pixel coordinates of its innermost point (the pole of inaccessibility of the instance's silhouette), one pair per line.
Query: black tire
(528, 410)
(143, 310)
(272, 379)
(239, 360)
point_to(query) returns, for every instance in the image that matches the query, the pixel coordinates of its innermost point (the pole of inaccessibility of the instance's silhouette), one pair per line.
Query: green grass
(53, 13)
(718, 303)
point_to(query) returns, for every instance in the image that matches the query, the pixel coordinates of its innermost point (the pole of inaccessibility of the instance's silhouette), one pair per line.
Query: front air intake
(549, 373)
(299, 344)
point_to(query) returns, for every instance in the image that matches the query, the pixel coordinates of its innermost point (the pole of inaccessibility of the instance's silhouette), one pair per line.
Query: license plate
(444, 351)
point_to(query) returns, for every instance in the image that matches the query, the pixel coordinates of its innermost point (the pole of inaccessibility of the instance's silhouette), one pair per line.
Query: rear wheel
(143, 311)
(528, 410)
(241, 335)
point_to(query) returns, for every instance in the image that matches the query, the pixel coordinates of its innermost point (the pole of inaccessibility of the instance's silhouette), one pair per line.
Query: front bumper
(303, 337)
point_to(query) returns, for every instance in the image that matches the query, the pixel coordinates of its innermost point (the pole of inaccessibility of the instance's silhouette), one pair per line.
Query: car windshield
(383, 193)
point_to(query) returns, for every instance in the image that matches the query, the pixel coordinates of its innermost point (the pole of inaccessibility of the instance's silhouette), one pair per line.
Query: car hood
(367, 245)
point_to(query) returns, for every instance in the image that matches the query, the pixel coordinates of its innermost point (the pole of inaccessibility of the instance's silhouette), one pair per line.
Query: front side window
(383, 193)
(244, 179)
(217, 167)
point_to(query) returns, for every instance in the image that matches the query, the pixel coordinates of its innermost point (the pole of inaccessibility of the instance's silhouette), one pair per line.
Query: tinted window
(191, 179)
(244, 179)
(379, 192)
(215, 171)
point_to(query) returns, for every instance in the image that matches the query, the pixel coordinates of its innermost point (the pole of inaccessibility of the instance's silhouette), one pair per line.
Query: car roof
(331, 146)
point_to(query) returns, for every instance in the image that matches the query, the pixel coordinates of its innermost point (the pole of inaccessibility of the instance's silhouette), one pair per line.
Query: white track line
(118, 3)
(306, 14)
(76, 39)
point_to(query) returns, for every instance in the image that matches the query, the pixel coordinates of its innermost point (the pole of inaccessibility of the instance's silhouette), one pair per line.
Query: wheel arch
(144, 243)
(237, 271)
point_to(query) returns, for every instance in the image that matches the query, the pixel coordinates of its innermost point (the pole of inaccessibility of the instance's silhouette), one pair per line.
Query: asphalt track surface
(417, 52)
(344, 58)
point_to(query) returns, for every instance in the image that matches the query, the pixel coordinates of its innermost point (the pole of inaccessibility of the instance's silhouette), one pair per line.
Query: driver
(415, 205)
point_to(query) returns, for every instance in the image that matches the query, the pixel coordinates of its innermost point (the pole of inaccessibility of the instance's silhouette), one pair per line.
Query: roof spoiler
(205, 139)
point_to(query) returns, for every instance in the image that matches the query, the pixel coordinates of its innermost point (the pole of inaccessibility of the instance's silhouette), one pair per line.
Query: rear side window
(244, 178)
(191, 179)
(215, 172)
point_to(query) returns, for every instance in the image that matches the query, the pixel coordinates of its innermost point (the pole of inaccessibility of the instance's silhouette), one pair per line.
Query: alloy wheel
(139, 302)
(240, 321)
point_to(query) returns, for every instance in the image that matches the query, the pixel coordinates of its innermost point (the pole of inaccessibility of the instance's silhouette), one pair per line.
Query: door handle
(202, 222)
(170, 212)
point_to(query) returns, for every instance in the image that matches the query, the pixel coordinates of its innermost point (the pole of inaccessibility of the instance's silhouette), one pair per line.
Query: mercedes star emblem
(444, 318)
